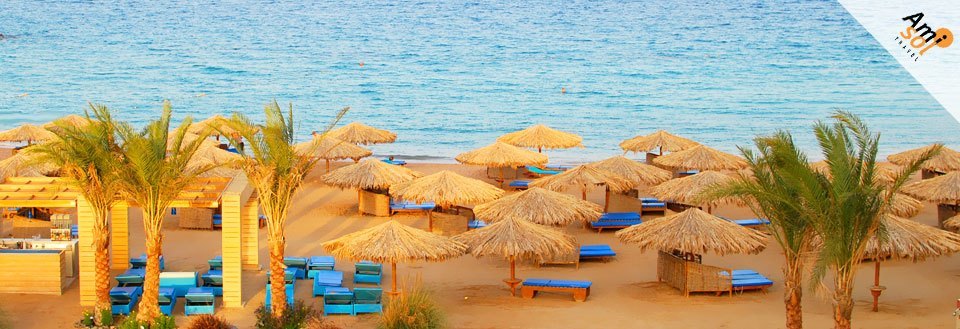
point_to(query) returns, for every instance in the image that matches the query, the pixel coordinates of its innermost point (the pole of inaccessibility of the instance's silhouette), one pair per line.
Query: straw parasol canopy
(26, 133)
(369, 174)
(661, 140)
(952, 223)
(189, 138)
(358, 133)
(540, 206)
(903, 205)
(216, 125)
(694, 231)
(220, 162)
(584, 177)
(329, 148)
(944, 188)
(945, 161)
(500, 155)
(71, 119)
(393, 243)
(25, 164)
(542, 137)
(686, 190)
(885, 173)
(907, 239)
(633, 171)
(701, 157)
(517, 239)
(445, 188)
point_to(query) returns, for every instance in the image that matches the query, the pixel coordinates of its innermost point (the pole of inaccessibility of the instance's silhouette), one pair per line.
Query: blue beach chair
(141, 262)
(318, 263)
(367, 300)
(298, 263)
(580, 289)
(520, 184)
(325, 279)
(123, 299)
(199, 301)
(213, 279)
(338, 301)
(367, 272)
(167, 300)
(131, 278)
(216, 263)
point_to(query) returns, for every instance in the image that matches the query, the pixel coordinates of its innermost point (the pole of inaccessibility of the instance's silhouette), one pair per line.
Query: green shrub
(296, 317)
(131, 322)
(414, 309)
(106, 317)
(87, 320)
(167, 322)
(208, 321)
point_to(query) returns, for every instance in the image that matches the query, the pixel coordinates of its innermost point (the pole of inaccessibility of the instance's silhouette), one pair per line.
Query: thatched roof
(518, 239)
(371, 174)
(686, 190)
(358, 133)
(189, 138)
(543, 137)
(26, 132)
(583, 176)
(944, 188)
(216, 125)
(633, 171)
(25, 164)
(694, 231)
(499, 155)
(392, 242)
(701, 157)
(446, 188)
(71, 119)
(211, 156)
(952, 223)
(329, 148)
(539, 206)
(886, 172)
(660, 139)
(947, 160)
(911, 240)
(903, 205)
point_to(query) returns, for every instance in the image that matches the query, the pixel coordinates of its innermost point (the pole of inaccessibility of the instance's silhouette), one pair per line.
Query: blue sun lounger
(397, 206)
(317, 263)
(213, 279)
(476, 223)
(368, 272)
(520, 184)
(596, 251)
(367, 300)
(123, 299)
(298, 263)
(580, 289)
(199, 301)
(749, 280)
(167, 300)
(216, 263)
(619, 216)
(616, 220)
(752, 222)
(687, 173)
(141, 262)
(338, 301)
(131, 278)
(181, 282)
(395, 162)
(326, 279)
(289, 289)
(537, 171)
(558, 167)
(653, 204)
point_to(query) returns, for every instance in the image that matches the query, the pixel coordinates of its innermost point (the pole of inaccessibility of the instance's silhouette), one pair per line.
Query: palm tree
(155, 171)
(780, 172)
(87, 157)
(276, 172)
(850, 204)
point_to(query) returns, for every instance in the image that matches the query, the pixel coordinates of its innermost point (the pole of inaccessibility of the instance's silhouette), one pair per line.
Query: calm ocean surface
(452, 76)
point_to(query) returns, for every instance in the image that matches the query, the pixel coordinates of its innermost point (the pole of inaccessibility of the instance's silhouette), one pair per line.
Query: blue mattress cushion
(476, 224)
(616, 223)
(752, 221)
(597, 251)
(520, 183)
(321, 260)
(653, 205)
(620, 215)
(650, 200)
(751, 282)
(557, 283)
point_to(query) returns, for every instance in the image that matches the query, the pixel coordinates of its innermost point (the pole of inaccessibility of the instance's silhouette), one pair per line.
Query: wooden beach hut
(501, 155)
(584, 177)
(660, 141)
(445, 189)
(946, 160)
(944, 189)
(636, 173)
(372, 178)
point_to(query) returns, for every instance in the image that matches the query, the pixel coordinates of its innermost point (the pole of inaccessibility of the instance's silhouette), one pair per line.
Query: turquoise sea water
(451, 76)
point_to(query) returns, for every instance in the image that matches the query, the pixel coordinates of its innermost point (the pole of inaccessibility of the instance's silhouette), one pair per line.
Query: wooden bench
(580, 289)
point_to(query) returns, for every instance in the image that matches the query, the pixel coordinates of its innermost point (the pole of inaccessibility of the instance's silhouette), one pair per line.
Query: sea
(451, 76)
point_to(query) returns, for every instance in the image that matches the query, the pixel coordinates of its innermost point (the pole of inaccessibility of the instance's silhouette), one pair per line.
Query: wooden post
(606, 200)
(393, 273)
(120, 236)
(877, 289)
(583, 193)
(235, 195)
(87, 259)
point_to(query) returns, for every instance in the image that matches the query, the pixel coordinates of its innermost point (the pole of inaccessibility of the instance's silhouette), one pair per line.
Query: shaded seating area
(616, 220)
(199, 301)
(534, 171)
(167, 300)
(367, 272)
(653, 204)
(519, 184)
(123, 299)
(692, 276)
(749, 280)
(410, 206)
(131, 278)
(338, 301)
(579, 289)
(297, 263)
(326, 279)
(395, 162)
(213, 279)
(596, 251)
(359, 301)
(319, 263)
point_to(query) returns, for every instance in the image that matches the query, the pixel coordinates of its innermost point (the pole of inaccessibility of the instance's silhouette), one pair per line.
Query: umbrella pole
(539, 149)
(430, 220)
(512, 281)
(393, 273)
(583, 193)
(606, 200)
(501, 177)
(328, 164)
(877, 289)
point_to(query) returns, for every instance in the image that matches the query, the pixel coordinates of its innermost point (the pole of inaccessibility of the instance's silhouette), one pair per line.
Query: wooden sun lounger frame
(579, 294)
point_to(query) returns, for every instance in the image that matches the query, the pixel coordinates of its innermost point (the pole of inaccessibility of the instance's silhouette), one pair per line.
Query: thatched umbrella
(71, 119)
(329, 148)
(945, 161)
(906, 239)
(945, 188)
(952, 223)
(542, 137)
(701, 157)
(220, 162)
(190, 138)
(584, 176)
(539, 206)
(393, 243)
(686, 190)
(216, 125)
(633, 171)
(660, 140)
(903, 205)
(26, 133)
(694, 231)
(358, 133)
(517, 239)
(369, 174)
(25, 164)
(885, 173)
(445, 188)
(500, 155)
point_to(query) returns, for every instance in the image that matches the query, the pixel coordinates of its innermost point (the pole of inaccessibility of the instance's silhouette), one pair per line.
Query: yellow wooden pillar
(87, 259)
(120, 236)
(249, 234)
(232, 201)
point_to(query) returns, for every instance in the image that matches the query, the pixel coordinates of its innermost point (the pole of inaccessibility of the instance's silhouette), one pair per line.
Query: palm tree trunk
(793, 292)
(149, 308)
(278, 292)
(101, 242)
(843, 299)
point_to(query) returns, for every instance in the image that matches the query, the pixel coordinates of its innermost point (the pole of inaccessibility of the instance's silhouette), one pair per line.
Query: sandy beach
(625, 293)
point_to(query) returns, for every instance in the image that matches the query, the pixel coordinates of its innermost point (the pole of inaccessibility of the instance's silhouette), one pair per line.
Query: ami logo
(918, 38)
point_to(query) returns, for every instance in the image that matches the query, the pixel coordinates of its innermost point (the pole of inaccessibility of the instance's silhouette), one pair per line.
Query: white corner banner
(920, 35)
